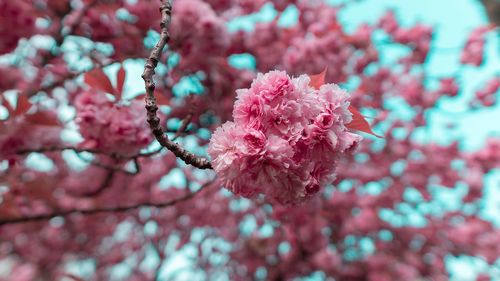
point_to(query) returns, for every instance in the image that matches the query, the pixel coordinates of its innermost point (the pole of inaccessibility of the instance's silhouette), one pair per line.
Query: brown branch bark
(152, 107)
(106, 209)
(493, 10)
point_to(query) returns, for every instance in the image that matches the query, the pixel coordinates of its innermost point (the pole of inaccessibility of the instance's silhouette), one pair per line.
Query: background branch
(106, 209)
(95, 151)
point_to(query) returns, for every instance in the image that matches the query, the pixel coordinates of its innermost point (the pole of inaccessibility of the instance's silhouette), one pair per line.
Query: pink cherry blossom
(286, 138)
(473, 51)
(110, 126)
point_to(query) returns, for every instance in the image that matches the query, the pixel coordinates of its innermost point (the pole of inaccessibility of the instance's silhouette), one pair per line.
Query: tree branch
(106, 209)
(108, 179)
(117, 167)
(80, 150)
(152, 107)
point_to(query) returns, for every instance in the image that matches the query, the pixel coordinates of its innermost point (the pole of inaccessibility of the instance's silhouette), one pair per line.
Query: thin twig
(78, 19)
(80, 150)
(116, 167)
(152, 107)
(187, 119)
(137, 166)
(161, 257)
(147, 154)
(108, 179)
(106, 209)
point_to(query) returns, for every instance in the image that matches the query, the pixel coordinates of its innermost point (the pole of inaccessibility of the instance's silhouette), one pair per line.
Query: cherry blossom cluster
(207, 38)
(285, 140)
(109, 126)
(472, 53)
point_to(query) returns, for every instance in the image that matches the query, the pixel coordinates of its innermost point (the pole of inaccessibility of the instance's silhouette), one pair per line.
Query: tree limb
(80, 150)
(106, 209)
(152, 107)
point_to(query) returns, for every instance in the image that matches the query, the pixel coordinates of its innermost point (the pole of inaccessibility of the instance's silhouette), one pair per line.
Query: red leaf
(318, 80)
(22, 105)
(43, 118)
(120, 80)
(96, 78)
(160, 98)
(359, 122)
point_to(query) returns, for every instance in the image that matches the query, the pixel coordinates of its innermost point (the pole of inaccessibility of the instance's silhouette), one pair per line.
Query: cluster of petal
(487, 94)
(286, 138)
(110, 126)
(473, 51)
(308, 55)
(207, 33)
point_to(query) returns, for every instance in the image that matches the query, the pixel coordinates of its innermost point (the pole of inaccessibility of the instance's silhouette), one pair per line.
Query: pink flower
(473, 51)
(200, 32)
(286, 118)
(486, 96)
(109, 126)
(320, 130)
(286, 138)
(274, 84)
(448, 86)
(255, 141)
(248, 109)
